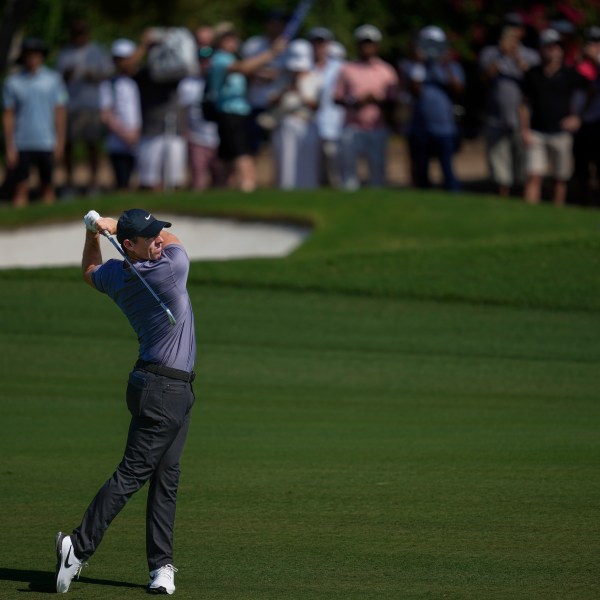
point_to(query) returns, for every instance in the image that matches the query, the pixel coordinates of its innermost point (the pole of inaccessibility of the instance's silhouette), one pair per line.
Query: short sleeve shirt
(34, 98)
(160, 342)
(360, 79)
(550, 98)
(232, 87)
(121, 96)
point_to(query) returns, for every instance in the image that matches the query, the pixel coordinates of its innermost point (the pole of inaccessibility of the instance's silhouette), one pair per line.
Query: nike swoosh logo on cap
(148, 217)
(67, 565)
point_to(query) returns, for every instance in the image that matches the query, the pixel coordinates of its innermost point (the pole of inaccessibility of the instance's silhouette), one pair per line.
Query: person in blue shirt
(227, 78)
(436, 82)
(34, 121)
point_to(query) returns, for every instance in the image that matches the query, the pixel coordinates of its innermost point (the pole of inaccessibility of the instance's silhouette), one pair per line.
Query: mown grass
(405, 408)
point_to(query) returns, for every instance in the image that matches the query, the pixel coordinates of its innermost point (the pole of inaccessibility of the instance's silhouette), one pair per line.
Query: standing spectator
(227, 77)
(162, 156)
(368, 89)
(83, 65)
(329, 57)
(548, 121)
(265, 81)
(202, 136)
(586, 150)
(121, 113)
(437, 82)
(34, 121)
(503, 67)
(295, 138)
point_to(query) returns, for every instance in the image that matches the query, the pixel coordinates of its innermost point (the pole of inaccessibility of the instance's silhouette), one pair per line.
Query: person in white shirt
(329, 57)
(121, 114)
(295, 137)
(202, 136)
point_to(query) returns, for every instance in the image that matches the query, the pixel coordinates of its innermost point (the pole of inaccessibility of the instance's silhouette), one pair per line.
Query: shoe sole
(158, 590)
(59, 539)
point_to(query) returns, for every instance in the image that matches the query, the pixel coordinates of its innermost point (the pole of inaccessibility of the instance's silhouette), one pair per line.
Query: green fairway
(406, 408)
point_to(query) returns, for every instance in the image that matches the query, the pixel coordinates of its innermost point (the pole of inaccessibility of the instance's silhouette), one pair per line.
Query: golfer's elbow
(87, 275)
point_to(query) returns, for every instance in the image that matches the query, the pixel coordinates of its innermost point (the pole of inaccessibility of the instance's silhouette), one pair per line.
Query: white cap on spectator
(299, 56)
(336, 51)
(549, 36)
(367, 33)
(432, 33)
(122, 48)
(320, 33)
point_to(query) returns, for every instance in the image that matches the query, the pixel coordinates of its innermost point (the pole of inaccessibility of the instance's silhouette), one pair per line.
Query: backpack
(174, 57)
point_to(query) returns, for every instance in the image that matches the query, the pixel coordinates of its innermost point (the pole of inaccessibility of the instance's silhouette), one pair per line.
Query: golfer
(159, 390)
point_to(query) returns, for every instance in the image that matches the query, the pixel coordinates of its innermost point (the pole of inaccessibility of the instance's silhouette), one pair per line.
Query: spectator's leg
(419, 151)
(349, 159)
(375, 147)
(536, 159)
(45, 166)
(21, 179)
(446, 146)
(244, 172)
(561, 150)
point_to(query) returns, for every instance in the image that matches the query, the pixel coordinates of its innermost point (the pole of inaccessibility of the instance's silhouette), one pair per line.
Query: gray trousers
(160, 416)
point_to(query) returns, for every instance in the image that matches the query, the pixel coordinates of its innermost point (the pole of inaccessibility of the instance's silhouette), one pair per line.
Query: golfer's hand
(107, 224)
(90, 221)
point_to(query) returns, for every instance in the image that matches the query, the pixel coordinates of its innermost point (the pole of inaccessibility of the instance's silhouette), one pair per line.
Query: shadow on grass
(43, 581)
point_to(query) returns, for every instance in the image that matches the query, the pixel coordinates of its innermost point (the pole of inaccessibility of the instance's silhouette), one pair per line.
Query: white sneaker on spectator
(68, 566)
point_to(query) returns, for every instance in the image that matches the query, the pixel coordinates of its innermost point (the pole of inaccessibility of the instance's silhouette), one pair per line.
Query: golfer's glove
(90, 221)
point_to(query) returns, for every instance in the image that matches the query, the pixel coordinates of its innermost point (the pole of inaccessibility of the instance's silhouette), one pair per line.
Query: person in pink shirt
(368, 89)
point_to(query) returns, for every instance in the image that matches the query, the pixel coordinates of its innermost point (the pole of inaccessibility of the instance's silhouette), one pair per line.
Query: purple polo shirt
(160, 342)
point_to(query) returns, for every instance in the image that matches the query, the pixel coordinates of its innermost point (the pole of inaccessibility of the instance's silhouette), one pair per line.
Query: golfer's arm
(92, 256)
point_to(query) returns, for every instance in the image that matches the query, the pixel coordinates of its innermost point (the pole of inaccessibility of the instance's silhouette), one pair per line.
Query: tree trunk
(15, 13)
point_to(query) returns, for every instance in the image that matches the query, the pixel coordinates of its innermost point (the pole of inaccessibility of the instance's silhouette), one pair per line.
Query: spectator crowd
(177, 109)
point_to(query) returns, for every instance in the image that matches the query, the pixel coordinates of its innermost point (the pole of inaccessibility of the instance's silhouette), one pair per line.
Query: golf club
(172, 320)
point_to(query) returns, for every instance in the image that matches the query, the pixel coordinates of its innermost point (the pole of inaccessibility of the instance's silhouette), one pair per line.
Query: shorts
(234, 136)
(550, 154)
(162, 159)
(505, 154)
(42, 160)
(84, 125)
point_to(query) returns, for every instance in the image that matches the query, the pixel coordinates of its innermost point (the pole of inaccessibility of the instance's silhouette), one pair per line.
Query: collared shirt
(360, 79)
(160, 342)
(34, 98)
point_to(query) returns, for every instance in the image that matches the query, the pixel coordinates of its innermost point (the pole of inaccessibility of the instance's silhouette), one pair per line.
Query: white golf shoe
(68, 566)
(162, 580)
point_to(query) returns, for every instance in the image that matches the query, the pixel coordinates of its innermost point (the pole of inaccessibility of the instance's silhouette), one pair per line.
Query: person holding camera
(436, 83)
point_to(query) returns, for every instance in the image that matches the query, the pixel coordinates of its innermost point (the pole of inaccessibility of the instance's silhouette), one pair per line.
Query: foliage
(469, 23)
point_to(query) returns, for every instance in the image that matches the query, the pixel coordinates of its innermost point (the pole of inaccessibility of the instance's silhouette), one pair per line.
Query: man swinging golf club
(159, 390)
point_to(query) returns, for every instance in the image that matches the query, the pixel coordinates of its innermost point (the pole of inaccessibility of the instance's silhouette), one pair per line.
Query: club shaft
(120, 251)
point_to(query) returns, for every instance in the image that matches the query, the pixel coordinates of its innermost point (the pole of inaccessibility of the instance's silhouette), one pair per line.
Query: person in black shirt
(548, 121)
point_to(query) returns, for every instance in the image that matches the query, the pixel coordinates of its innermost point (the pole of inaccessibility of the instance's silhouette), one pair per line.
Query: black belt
(165, 371)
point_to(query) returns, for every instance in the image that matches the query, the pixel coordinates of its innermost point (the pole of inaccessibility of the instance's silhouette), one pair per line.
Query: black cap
(592, 34)
(32, 44)
(138, 222)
